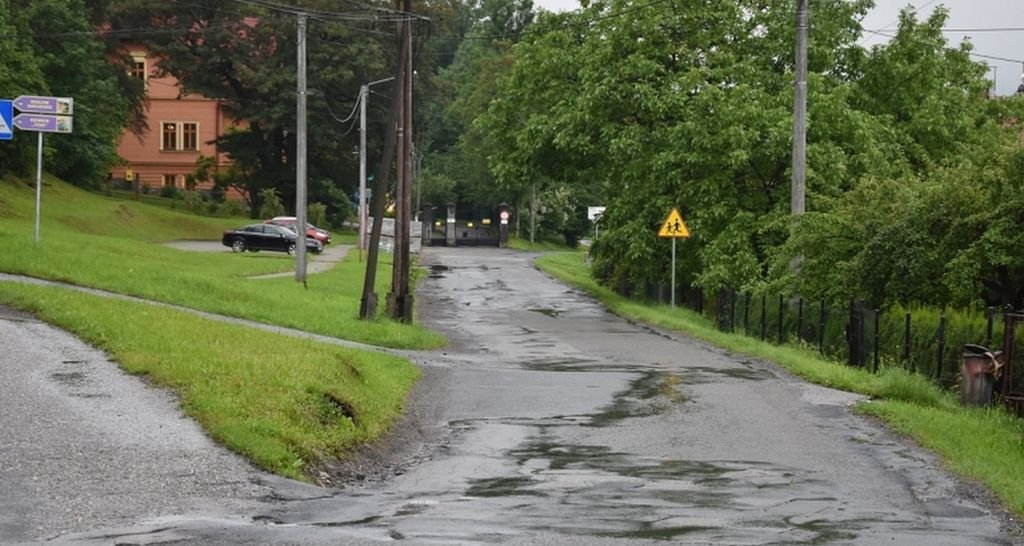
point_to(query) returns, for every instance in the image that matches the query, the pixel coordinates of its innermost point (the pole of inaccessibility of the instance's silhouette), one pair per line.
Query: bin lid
(975, 350)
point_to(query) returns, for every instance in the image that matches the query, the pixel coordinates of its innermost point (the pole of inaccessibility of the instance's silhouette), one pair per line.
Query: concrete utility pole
(417, 175)
(400, 298)
(799, 186)
(533, 211)
(368, 302)
(364, 96)
(300, 159)
(364, 93)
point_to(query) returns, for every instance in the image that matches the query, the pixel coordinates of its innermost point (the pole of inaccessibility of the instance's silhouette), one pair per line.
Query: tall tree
(669, 107)
(911, 232)
(54, 48)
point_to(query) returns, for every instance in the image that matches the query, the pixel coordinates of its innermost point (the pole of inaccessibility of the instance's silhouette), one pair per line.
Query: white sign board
(593, 213)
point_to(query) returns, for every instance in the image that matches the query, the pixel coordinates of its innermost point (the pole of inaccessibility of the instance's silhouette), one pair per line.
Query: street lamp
(364, 95)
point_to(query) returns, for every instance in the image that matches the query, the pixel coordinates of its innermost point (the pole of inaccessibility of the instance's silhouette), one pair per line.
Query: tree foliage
(245, 56)
(691, 108)
(51, 48)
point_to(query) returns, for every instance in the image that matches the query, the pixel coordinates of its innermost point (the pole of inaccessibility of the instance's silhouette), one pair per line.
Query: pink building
(181, 128)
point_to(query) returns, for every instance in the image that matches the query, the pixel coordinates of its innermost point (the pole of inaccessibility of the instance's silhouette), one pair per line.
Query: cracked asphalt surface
(547, 421)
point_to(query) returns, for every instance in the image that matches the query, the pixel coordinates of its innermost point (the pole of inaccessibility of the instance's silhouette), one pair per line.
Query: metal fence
(925, 341)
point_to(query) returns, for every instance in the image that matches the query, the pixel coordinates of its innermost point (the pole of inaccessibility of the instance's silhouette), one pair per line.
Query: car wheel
(238, 245)
(291, 249)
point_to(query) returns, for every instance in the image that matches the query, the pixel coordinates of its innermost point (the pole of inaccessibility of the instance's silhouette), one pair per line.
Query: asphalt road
(548, 421)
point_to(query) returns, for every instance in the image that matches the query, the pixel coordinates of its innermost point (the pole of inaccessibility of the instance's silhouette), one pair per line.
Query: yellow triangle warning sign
(674, 226)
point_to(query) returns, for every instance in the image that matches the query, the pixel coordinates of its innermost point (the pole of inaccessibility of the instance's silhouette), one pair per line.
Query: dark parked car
(290, 222)
(255, 237)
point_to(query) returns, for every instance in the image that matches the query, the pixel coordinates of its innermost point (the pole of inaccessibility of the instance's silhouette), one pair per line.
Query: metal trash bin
(980, 370)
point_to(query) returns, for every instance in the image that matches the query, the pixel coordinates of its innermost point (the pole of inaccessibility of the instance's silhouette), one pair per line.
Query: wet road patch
(654, 392)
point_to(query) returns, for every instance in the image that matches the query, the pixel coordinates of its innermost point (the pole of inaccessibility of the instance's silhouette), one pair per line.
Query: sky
(1005, 42)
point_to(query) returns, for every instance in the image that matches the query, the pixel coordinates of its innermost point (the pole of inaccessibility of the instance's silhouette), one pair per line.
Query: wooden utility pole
(400, 299)
(368, 302)
(799, 186)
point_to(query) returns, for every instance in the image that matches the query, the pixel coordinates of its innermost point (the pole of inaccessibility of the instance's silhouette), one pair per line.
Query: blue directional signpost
(45, 105)
(41, 115)
(43, 123)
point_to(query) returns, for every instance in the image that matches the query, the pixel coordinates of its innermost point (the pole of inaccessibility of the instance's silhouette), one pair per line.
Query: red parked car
(289, 222)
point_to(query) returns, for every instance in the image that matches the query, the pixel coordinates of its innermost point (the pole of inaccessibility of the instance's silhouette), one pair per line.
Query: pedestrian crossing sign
(674, 226)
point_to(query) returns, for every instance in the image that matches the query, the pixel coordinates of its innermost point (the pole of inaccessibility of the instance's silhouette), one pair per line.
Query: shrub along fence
(921, 340)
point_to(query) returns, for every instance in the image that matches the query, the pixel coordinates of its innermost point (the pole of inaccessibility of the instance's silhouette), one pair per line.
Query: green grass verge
(108, 243)
(285, 403)
(986, 446)
(547, 245)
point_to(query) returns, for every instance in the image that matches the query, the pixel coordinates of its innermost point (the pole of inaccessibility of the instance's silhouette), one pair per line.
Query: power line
(351, 114)
(971, 53)
(376, 14)
(914, 11)
(963, 30)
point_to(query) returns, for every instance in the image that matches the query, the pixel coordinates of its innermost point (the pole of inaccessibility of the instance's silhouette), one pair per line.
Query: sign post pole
(673, 228)
(673, 272)
(42, 115)
(39, 182)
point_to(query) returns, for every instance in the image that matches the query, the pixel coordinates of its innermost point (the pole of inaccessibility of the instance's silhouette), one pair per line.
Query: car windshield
(286, 230)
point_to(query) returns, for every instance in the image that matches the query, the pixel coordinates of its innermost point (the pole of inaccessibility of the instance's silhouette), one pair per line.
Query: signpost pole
(39, 182)
(673, 273)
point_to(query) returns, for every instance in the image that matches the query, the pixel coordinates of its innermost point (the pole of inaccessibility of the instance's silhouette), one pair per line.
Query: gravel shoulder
(84, 445)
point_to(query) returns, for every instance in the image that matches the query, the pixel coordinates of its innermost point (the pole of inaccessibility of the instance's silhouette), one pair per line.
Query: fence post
(878, 312)
(942, 348)
(782, 317)
(906, 341)
(821, 329)
(746, 314)
(1009, 349)
(732, 310)
(721, 306)
(764, 316)
(800, 320)
(989, 313)
(853, 330)
(862, 322)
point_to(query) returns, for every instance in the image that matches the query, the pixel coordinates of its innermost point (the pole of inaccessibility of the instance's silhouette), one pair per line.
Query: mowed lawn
(287, 404)
(114, 244)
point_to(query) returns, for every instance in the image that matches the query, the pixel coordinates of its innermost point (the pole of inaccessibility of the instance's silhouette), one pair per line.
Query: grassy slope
(284, 403)
(273, 398)
(108, 243)
(984, 445)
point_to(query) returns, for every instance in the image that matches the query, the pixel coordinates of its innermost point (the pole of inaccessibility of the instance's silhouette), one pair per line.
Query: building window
(137, 69)
(179, 136)
(190, 136)
(169, 141)
(170, 180)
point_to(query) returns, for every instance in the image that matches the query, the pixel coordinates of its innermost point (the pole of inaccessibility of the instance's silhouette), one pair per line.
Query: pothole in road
(437, 271)
(572, 365)
(553, 313)
(71, 379)
(503, 487)
(740, 372)
(627, 496)
(654, 392)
